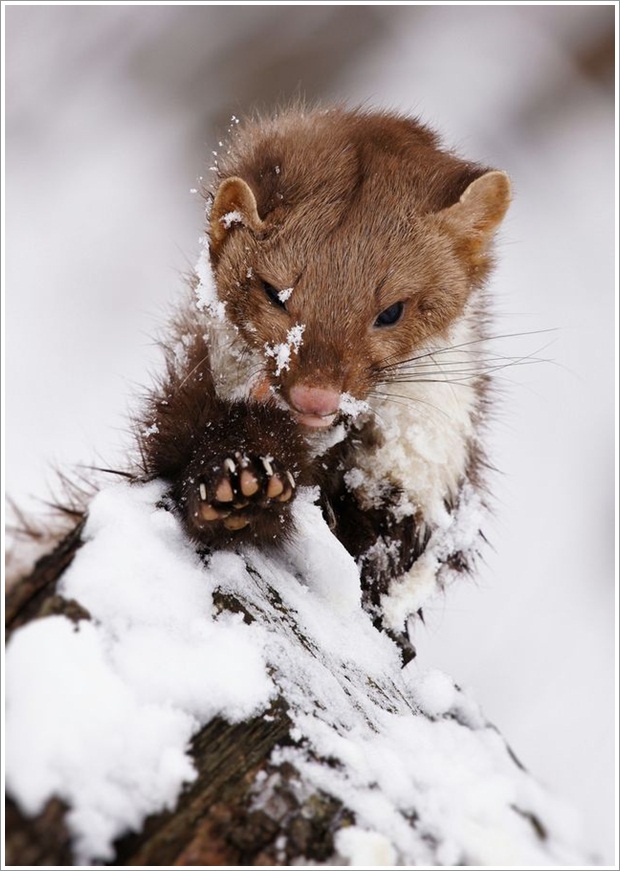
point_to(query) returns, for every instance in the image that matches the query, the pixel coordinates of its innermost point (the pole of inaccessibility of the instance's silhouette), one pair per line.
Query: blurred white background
(111, 115)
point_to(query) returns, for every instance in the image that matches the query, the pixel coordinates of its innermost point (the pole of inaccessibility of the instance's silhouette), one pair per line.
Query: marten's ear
(481, 208)
(234, 203)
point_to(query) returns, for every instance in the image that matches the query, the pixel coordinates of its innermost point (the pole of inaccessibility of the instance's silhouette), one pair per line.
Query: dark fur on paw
(232, 489)
(237, 491)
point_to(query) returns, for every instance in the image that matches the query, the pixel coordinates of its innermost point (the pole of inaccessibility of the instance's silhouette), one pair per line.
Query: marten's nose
(315, 406)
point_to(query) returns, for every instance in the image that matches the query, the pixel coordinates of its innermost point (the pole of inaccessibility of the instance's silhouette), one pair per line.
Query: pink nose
(317, 407)
(314, 400)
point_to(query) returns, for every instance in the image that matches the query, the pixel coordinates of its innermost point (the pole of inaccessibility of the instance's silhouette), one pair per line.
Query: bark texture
(213, 823)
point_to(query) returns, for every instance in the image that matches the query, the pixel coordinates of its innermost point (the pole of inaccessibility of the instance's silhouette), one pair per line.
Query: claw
(267, 466)
(203, 492)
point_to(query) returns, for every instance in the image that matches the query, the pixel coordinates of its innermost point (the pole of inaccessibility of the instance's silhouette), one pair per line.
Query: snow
(281, 352)
(101, 713)
(436, 695)
(74, 729)
(354, 479)
(457, 531)
(353, 407)
(323, 440)
(207, 299)
(363, 847)
(285, 294)
(231, 218)
(311, 557)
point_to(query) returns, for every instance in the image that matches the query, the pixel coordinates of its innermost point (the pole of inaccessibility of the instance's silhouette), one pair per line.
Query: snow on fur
(282, 352)
(101, 714)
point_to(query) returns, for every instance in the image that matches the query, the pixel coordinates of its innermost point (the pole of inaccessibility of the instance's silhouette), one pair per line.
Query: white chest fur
(427, 417)
(429, 420)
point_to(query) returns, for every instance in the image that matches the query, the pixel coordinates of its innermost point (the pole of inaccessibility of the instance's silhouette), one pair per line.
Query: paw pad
(238, 489)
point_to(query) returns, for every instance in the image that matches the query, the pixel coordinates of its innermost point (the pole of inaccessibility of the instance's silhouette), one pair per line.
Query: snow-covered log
(168, 707)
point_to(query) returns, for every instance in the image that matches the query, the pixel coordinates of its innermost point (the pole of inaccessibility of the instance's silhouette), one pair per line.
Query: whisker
(465, 381)
(465, 345)
(472, 370)
(394, 397)
(191, 372)
(477, 369)
(462, 377)
(108, 471)
(473, 361)
(439, 367)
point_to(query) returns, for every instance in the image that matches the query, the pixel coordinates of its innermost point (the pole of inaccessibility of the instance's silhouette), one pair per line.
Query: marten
(333, 338)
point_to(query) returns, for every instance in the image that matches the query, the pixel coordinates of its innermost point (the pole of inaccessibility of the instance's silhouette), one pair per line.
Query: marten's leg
(232, 466)
(384, 547)
(367, 517)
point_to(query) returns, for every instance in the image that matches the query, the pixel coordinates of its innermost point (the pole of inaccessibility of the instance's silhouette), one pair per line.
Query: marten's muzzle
(315, 407)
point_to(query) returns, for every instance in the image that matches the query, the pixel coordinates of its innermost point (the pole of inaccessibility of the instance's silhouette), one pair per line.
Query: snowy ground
(110, 115)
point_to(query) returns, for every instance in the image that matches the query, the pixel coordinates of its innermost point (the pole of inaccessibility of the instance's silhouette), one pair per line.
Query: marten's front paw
(237, 492)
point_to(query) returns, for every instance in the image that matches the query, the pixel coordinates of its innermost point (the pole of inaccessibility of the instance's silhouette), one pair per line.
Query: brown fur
(356, 211)
(196, 430)
(353, 221)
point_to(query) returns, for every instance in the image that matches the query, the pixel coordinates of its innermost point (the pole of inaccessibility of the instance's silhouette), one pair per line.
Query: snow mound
(101, 713)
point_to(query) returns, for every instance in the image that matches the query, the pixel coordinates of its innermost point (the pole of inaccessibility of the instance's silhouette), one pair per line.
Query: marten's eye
(274, 296)
(390, 315)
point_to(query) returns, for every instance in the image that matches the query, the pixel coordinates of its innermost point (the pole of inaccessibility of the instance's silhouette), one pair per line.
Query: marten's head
(342, 242)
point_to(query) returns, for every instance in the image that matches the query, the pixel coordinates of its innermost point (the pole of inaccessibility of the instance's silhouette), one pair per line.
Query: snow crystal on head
(285, 294)
(231, 218)
(282, 352)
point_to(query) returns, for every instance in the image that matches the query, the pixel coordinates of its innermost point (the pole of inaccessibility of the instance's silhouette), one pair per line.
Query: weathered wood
(40, 840)
(227, 758)
(30, 596)
(214, 822)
